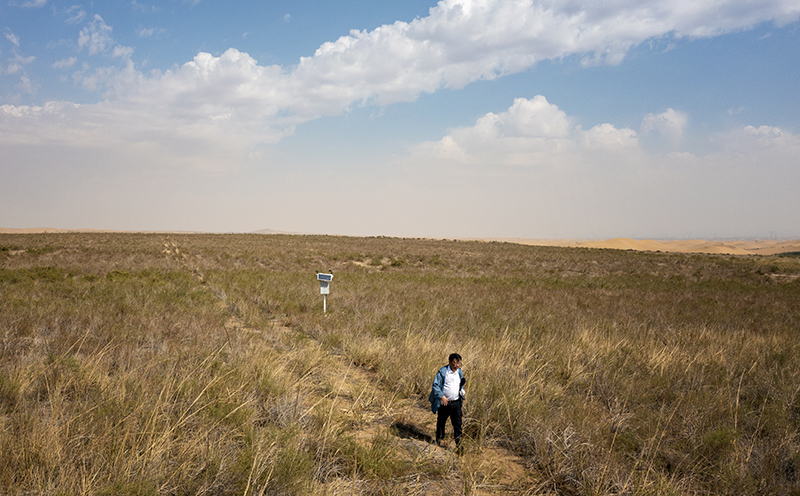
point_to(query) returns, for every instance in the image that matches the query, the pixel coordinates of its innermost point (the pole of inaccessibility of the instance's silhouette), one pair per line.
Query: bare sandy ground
(724, 247)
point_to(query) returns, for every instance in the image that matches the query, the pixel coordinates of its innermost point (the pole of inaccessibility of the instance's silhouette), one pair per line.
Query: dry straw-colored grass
(202, 364)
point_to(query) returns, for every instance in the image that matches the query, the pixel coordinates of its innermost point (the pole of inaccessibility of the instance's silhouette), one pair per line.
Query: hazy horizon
(267, 231)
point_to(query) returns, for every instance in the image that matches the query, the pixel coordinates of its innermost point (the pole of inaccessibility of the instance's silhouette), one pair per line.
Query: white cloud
(669, 124)
(769, 133)
(65, 63)
(208, 113)
(609, 138)
(467, 40)
(18, 61)
(75, 14)
(145, 9)
(96, 37)
(735, 110)
(25, 84)
(534, 118)
(459, 42)
(531, 133)
(146, 32)
(536, 133)
(149, 32)
(34, 3)
(10, 36)
(16, 65)
(761, 141)
(601, 182)
(122, 52)
(523, 165)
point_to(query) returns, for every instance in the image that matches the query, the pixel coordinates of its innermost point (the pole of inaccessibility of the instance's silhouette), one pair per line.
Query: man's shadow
(409, 431)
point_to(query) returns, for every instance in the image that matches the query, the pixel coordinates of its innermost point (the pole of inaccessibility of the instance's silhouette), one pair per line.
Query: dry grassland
(203, 364)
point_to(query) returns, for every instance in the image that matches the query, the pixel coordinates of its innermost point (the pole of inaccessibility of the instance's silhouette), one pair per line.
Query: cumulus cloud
(669, 124)
(468, 40)
(761, 141)
(601, 180)
(459, 42)
(609, 138)
(536, 133)
(531, 133)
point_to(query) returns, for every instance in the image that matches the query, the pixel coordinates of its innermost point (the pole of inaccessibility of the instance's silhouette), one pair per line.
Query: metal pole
(324, 303)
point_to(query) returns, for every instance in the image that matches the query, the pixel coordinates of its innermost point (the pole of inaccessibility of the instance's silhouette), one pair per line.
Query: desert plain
(187, 363)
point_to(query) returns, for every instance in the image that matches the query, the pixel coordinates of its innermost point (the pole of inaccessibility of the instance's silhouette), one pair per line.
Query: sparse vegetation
(195, 364)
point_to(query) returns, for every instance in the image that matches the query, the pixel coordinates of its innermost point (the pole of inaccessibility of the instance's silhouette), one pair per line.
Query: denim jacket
(437, 389)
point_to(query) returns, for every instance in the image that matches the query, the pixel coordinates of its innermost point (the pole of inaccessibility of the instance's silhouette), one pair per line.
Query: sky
(662, 119)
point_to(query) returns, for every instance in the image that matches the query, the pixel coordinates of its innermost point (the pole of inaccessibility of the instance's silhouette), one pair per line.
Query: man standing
(446, 398)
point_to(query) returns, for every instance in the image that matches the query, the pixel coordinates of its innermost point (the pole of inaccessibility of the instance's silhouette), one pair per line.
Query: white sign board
(324, 288)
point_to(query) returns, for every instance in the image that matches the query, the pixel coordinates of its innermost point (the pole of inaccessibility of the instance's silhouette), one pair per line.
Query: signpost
(324, 288)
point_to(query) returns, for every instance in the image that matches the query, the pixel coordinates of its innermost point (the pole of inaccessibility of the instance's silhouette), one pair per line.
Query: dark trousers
(452, 410)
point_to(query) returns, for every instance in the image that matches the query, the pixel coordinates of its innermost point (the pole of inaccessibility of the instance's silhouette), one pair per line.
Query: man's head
(455, 361)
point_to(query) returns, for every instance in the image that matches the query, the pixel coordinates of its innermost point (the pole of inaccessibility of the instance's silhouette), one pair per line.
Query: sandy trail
(375, 411)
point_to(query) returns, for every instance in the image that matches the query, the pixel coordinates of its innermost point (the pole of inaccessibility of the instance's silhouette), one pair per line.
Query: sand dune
(627, 244)
(733, 247)
(683, 246)
(726, 247)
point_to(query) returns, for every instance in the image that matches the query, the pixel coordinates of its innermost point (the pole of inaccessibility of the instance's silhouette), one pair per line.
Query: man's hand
(444, 400)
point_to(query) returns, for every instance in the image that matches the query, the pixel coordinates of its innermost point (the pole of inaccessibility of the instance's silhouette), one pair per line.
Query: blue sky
(463, 118)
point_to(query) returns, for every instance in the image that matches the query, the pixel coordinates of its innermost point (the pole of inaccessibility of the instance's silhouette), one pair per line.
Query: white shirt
(452, 384)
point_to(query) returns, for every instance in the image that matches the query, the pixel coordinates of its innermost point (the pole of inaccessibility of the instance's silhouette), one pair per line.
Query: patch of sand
(727, 247)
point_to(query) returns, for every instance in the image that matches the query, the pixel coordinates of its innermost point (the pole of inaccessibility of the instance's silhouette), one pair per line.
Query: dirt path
(374, 411)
